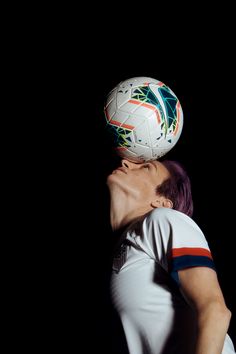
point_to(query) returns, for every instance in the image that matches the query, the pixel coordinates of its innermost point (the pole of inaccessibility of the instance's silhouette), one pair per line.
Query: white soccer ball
(144, 118)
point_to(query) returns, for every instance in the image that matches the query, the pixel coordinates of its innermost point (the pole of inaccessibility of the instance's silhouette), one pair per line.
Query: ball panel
(138, 81)
(111, 97)
(121, 118)
(133, 120)
(155, 129)
(139, 155)
(141, 135)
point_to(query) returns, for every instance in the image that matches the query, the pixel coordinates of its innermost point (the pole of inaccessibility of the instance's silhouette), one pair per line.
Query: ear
(162, 202)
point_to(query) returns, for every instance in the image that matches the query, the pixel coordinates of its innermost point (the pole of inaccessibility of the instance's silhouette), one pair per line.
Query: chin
(112, 177)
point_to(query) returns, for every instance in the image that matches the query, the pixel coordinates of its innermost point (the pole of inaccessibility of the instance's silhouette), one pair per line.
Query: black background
(191, 55)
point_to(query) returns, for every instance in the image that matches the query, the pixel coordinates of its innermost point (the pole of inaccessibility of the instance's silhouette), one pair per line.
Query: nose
(128, 164)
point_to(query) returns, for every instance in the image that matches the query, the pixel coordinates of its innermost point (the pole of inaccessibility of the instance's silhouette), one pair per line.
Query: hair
(177, 187)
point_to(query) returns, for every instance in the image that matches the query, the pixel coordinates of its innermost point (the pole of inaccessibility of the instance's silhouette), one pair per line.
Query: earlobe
(162, 202)
(168, 203)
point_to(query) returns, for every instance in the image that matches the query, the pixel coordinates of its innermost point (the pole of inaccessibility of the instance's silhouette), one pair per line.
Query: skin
(132, 190)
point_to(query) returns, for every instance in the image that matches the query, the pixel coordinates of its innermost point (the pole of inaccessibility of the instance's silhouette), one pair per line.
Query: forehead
(161, 169)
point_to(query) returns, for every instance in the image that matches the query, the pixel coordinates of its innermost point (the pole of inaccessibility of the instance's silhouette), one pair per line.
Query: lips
(120, 169)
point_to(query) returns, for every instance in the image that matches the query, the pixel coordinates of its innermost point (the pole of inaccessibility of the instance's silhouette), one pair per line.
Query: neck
(123, 211)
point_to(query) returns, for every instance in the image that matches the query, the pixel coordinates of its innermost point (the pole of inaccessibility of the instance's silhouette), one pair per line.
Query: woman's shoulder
(168, 213)
(170, 216)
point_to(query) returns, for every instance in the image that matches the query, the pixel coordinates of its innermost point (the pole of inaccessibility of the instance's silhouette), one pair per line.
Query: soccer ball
(144, 118)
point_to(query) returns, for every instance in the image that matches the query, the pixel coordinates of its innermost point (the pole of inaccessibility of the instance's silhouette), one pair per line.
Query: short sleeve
(175, 241)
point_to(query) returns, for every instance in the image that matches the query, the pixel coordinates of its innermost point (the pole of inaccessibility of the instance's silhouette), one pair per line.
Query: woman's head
(177, 187)
(152, 184)
(135, 189)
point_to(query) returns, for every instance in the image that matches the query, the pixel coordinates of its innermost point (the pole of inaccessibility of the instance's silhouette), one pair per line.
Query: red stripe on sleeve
(191, 251)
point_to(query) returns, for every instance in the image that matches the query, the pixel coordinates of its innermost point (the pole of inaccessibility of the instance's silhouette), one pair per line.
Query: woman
(164, 285)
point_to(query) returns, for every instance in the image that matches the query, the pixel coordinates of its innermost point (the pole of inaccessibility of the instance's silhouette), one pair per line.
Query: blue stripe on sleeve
(183, 262)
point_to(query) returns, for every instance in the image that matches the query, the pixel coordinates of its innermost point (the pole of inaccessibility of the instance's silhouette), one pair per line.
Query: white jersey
(144, 284)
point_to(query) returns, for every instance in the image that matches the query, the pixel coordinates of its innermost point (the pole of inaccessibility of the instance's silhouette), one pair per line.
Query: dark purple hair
(177, 187)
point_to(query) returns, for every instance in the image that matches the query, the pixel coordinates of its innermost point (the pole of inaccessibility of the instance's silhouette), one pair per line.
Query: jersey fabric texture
(144, 283)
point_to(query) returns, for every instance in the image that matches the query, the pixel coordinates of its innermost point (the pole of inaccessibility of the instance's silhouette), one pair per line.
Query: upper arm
(179, 245)
(200, 286)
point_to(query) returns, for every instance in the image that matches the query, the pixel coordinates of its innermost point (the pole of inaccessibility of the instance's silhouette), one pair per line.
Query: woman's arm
(201, 289)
